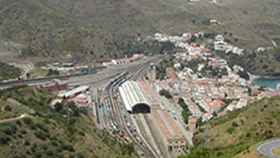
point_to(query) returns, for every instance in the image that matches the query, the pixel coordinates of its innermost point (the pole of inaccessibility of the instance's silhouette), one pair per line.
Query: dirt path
(14, 119)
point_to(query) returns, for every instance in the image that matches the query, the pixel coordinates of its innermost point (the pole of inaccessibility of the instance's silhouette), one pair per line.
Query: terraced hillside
(237, 134)
(30, 128)
(108, 28)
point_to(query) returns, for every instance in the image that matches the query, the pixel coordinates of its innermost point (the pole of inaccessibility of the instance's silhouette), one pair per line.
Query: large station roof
(132, 95)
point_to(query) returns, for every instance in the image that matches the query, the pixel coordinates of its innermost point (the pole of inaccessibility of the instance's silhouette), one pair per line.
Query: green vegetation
(38, 72)
(52, 72)
(206, 71)
(61, 131)
(210, 72)
(277, 151)
(186, 112)
(82, 29)
(237, 133)
(8, 71)
(162, 66)
(148, 47)
(259, 63)
(165, 93)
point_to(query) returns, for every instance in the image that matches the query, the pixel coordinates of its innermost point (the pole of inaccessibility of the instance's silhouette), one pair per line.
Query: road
(99, 78)
(266, 149)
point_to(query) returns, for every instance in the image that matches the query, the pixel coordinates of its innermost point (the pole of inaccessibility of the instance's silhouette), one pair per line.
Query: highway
(266, 149)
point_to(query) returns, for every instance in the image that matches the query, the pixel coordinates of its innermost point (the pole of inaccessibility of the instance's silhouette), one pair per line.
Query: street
(266, 149)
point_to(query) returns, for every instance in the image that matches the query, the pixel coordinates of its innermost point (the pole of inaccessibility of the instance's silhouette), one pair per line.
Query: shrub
(79, 155)
(230, 130)
(7, 108)
(26, 143)
(10, 130)
(68, 147)
(41, 135)
(4, 139)
(234, 124)
(27, 121)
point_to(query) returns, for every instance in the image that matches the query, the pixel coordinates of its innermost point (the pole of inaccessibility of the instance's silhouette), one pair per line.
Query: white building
(73, 92)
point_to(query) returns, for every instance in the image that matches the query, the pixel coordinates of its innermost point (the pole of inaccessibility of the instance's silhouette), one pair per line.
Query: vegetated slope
(51, 29)
(44, 30)
(64, 131)
(107, 28)
(238, 133)
(8, 71)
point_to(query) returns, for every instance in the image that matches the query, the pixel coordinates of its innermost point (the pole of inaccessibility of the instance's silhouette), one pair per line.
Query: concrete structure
(54, 85)
(82, 100)
(133, 98)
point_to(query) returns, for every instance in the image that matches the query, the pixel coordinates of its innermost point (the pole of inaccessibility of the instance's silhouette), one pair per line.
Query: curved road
(266, 149)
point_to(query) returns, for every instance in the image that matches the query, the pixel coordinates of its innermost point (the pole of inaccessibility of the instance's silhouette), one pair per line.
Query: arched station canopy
(133, 98)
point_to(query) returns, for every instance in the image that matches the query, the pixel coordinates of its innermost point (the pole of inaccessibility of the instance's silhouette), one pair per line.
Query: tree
(165, 93)
(58, 107)
(52, 72)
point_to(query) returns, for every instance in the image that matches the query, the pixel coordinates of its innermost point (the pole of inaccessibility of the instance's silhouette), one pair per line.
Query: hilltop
(29, 127)
(237, 134)
(53, 28)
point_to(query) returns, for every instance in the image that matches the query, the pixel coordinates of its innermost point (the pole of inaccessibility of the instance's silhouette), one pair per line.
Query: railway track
(115, 116)
(127, 127)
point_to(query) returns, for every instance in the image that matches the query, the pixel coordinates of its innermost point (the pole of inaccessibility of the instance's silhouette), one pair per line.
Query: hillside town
(208, 85)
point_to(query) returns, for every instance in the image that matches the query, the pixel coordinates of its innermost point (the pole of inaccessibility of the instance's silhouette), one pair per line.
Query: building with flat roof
(73, 92)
